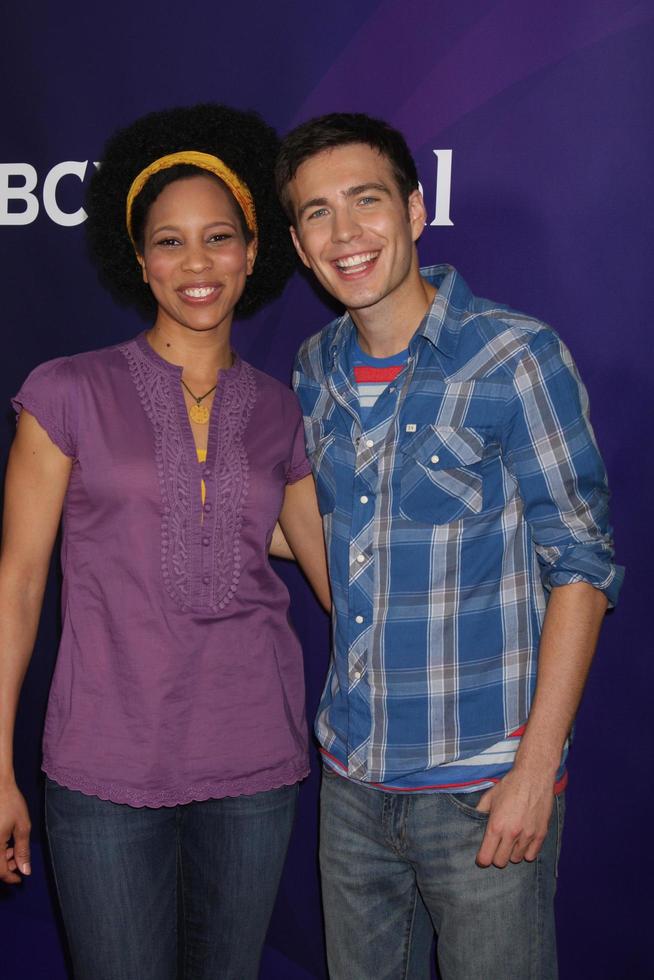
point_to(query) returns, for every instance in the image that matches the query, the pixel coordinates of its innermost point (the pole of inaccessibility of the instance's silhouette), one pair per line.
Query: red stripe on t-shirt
(363, 373)
(559, 785)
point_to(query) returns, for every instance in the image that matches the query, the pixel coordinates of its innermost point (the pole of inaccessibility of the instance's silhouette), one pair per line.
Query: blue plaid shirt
(475, 487)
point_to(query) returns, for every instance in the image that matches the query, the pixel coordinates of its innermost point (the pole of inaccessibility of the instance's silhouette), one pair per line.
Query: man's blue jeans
(123, 873)
(382, 855)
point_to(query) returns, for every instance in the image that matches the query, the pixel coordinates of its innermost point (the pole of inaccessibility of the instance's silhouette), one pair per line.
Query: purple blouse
(178, 676)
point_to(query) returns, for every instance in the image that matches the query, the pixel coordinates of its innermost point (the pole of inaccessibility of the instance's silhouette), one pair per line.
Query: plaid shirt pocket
(441, 477)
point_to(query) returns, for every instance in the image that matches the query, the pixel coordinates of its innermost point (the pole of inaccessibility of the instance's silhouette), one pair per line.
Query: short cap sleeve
(49, 394)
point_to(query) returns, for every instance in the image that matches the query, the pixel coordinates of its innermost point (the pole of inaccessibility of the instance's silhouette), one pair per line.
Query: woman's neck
(201, 353)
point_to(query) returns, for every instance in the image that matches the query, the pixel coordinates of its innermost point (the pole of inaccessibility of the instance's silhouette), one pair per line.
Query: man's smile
(351, 265)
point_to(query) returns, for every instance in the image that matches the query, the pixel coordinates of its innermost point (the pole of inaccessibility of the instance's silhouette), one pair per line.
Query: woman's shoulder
(83, 359)
(76, 367)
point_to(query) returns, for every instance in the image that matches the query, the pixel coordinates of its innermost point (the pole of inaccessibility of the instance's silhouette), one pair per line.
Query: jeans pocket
(466, 803)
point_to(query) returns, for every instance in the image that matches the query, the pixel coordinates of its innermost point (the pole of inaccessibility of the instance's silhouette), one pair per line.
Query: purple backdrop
(543, 113)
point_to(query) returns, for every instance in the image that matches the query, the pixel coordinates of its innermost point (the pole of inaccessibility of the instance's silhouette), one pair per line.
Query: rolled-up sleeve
(550, 449)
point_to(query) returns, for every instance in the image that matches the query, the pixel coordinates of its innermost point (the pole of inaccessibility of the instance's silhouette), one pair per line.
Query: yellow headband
(206, 162)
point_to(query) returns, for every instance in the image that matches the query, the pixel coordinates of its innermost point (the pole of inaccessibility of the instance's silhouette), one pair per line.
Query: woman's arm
(301, 524)
(37, 479)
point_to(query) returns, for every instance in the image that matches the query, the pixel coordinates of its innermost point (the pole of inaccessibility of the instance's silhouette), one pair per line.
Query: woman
(175, 734)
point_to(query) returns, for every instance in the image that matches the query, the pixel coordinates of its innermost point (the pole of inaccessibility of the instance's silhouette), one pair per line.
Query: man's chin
(353, 298)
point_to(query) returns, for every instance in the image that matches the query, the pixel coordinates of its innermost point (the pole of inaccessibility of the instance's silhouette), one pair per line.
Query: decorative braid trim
(237, 395)
(232, 483)
(153, 389)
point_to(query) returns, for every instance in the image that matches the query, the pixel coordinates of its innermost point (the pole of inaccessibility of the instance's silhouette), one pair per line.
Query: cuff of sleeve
(610, 584)
(298, 472)
(54, 432)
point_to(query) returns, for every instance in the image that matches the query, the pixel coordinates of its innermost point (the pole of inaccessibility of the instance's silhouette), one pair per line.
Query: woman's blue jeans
(129, 879)
(390, 862)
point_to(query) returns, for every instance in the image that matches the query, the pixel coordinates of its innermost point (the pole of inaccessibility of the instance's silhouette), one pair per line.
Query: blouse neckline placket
(202, 517)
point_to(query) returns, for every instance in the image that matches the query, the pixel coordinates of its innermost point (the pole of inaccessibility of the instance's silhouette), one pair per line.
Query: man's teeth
(199, 292)
(352, 261)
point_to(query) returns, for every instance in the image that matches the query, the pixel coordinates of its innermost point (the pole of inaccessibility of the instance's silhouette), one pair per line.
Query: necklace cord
(201, 398)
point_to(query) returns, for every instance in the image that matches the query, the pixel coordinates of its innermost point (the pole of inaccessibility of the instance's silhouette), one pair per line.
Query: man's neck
(387, 327)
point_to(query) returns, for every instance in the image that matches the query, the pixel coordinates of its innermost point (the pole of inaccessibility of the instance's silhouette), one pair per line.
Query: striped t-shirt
(373, 374)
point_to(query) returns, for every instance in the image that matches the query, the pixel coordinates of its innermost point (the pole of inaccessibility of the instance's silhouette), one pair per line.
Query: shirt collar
(441, 324)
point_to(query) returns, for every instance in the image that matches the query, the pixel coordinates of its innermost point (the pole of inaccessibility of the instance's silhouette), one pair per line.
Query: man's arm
(548, 446)
(520, 805)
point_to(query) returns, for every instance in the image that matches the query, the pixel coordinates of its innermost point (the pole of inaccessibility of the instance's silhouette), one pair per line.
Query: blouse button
(205, 579)
(206, 542)
(207, 472)
(207, 508)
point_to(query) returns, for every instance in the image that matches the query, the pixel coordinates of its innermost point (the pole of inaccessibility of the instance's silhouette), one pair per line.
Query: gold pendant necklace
(198, 413)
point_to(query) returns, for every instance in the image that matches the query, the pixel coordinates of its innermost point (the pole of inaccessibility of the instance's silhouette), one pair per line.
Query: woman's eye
(168, 242)
(222, 236)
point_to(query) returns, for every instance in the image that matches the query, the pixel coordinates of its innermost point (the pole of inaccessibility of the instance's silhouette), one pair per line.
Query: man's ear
(144, 271)
(298, 247)
(417, 214)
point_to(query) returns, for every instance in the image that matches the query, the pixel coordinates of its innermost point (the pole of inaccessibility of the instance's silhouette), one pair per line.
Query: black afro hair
(242, 140)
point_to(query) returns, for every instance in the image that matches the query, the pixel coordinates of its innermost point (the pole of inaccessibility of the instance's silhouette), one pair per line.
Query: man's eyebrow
(315, 202)
(371, 186)
(321, 202)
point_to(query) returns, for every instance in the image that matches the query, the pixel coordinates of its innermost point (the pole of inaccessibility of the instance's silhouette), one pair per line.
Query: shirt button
(206, 542)
(357, 675)
(363, 499)
(358, 619)
(435, 459)
(361, 559)
(392, 388)
(205, 579)
(369, 443)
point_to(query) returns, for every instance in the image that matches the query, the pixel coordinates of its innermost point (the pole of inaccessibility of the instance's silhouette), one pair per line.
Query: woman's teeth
(199, 292)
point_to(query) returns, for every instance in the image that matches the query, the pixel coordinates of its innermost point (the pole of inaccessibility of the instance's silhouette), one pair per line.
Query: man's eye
(317, 214)
(368, 200)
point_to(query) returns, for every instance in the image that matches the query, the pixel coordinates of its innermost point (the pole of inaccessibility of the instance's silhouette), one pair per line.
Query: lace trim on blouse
(184, 538)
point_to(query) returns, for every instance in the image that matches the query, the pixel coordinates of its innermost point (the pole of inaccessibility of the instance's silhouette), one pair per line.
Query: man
(464, 507)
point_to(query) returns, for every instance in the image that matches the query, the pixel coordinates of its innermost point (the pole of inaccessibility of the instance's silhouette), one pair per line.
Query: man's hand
(519, 809)
(14, 826)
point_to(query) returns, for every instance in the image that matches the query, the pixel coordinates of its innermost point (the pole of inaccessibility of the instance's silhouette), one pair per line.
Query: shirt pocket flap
(444, 446)
(320, 435)
(441, 480)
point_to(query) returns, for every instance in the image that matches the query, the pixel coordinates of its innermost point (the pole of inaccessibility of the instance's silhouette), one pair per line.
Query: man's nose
(345, 226)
